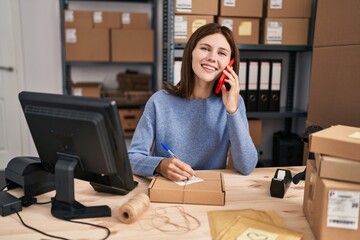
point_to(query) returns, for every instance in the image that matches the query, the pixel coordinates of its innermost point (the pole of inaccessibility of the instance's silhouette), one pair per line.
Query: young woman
(195, 123)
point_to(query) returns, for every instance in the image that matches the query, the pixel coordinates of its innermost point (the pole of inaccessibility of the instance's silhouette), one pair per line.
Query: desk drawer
(129, 119)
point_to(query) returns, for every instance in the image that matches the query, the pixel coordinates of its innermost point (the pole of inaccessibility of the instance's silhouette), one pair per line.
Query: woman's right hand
(174, 169)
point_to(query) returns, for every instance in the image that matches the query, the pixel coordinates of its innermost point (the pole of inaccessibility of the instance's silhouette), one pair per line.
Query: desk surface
(242, 192)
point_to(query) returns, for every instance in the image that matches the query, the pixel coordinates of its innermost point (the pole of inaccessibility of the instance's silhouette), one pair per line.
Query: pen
(168, 150)
(171, 153)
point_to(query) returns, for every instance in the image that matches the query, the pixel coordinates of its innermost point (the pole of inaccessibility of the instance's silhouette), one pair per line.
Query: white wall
(40, 23)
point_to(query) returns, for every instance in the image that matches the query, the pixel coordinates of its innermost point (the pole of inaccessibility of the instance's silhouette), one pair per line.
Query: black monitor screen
(78, 137)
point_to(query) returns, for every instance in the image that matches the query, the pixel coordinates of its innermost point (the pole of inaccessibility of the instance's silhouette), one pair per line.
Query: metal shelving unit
(172, 51)
(66, 66)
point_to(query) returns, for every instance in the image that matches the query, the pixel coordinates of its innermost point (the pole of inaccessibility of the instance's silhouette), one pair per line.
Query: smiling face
(210, 57)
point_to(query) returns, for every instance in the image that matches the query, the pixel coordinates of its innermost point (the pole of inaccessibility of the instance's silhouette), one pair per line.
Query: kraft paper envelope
(243, 228)
(219, 220)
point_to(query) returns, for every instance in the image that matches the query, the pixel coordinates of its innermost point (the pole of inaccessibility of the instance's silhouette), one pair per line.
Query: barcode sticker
(343, 209)
(274, 32)
(184, 6)
(180, 28)
(276, 4)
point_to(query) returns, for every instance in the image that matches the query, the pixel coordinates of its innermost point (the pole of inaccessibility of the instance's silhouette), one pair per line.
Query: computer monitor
(78, 137)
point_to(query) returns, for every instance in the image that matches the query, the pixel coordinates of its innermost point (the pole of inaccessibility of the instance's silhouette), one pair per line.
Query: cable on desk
(58, 237)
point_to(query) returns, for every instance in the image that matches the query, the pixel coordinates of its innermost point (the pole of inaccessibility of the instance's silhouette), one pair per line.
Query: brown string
(132, 210)
(160, 221)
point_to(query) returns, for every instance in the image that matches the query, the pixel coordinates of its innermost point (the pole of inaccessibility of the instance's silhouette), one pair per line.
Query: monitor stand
(64, 205)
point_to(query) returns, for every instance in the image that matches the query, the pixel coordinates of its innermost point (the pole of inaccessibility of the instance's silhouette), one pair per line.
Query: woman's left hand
(230, 98)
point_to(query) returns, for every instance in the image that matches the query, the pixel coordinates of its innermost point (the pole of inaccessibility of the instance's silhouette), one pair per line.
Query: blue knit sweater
(198, 131)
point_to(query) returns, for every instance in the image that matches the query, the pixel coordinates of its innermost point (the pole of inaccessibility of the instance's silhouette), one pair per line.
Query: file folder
(243, 69)
(177, 72)
(264, 86)
(252, 89)
(275, 86)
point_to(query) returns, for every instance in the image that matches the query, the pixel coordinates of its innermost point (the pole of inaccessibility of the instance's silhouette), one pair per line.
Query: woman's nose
(211, 56)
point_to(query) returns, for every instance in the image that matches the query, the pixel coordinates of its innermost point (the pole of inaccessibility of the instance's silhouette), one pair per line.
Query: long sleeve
(243, 151)
(198, 131)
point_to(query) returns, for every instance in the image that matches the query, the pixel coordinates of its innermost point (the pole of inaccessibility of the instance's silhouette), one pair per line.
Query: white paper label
(264, 85)
(77, 92)
(242, 75)
(276, 76)
(343, 209)
(97, 17)
(355, 135)
(70, 35)
(229, 3)
(125, 18)
(276, 4)
(183, 5)
(253, 75)
(257, 234)
(192, 180)
(227, 23)
(274, 33)
(180, 27)
(69, 16)
(177, 72)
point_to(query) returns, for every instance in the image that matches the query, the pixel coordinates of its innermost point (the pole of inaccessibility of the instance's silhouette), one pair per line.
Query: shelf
(262, 47)
(132, 1)
(82, 64)
(67, 65)
(296, 113)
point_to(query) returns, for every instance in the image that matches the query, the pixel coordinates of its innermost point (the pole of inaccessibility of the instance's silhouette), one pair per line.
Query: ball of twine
(131, 211)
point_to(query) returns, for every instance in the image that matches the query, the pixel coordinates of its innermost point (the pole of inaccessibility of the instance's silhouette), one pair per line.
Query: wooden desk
(241, 192)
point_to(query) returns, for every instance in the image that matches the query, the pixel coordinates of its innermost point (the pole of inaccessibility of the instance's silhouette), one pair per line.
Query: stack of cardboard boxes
(287, 22)
(283, 22)
(335, 71)
(243, 18)
(103, 36)
(332, 188)
(190, 15)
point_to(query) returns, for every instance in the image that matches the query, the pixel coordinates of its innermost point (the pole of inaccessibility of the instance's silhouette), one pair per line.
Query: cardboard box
(106, 20)
(127, 97)
(332, 208)
(286, 31)
(197, 7)
(88, 89)
(185, 25)
(78, 18)
(255, 128)
(288, 9)
(337, 23)
(133, 81)
(339, 141)
(211, 191)
(246, 30)
(132, 45)
(87, 44)
(333, 94)
(129, 119)
(241, 8)
(135, 21)
(337, 168)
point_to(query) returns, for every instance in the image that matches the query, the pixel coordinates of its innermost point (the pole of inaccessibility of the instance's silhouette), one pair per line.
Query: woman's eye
(205, 48)
(222, 53)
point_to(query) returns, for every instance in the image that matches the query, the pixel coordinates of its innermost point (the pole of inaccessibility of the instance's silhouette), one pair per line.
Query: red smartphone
(222, 78)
